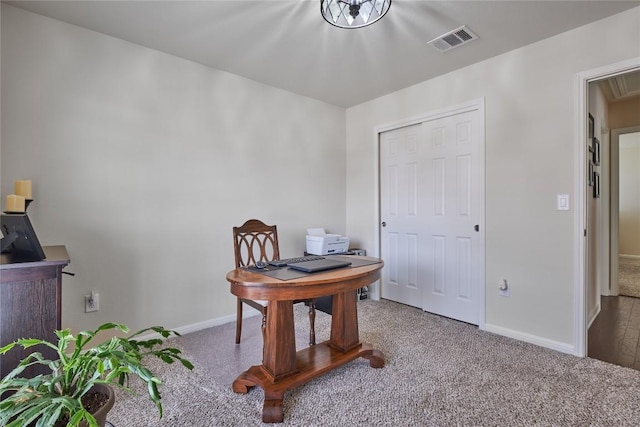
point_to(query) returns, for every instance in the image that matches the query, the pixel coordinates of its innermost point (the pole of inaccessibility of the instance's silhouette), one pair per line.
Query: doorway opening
(612, 218)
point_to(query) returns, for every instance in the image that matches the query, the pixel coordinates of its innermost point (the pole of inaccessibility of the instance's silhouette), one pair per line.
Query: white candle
(15, 203)
(23, 188)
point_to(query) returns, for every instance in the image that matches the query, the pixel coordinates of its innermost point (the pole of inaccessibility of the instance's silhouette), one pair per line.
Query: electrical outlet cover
(91, 306)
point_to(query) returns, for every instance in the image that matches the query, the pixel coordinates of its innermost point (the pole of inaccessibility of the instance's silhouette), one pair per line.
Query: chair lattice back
(255, 241)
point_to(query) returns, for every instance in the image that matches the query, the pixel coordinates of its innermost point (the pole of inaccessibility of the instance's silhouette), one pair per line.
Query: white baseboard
(532, 339)
(629, 256)
(210, 323)
(195, 327)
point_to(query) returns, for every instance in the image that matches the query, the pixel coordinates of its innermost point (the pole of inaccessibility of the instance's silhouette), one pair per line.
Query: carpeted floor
(439, 372)
(629, 277)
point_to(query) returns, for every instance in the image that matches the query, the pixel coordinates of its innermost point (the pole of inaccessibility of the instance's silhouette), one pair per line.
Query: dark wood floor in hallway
(615, 334)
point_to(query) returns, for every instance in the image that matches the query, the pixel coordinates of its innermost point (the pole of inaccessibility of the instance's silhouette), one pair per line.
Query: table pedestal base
(310, 363)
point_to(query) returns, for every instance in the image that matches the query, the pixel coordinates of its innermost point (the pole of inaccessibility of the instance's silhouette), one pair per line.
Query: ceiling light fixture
(353, 13)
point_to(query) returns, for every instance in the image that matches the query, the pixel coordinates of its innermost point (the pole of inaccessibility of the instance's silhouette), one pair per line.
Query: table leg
(272, 409)
(279, 351)
(283, 368)
(344, 329)
(278, 361)
(344, 322)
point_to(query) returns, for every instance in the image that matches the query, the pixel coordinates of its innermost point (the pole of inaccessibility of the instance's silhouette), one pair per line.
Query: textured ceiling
(287, 44)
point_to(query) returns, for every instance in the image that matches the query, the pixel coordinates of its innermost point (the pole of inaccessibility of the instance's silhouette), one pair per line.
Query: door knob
(384, 224)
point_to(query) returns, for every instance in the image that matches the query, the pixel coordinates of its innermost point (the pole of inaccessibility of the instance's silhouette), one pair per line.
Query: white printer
(321, 243)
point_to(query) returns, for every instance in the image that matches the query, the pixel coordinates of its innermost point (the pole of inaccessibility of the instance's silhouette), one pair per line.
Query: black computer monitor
(19, 238)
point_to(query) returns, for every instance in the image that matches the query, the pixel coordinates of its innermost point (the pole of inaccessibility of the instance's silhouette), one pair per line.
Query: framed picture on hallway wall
(596, 185)
(596, 151)
(590, 171)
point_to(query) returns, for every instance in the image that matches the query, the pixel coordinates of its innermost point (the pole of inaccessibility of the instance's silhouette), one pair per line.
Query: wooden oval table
(282, 367)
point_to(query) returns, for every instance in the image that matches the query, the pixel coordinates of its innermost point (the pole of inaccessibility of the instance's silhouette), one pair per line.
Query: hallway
(614, 335)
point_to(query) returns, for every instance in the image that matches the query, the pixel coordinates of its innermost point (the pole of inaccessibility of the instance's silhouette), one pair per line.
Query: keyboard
(287, 261)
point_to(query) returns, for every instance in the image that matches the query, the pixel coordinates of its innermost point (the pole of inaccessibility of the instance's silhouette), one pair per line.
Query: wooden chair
(255, 241)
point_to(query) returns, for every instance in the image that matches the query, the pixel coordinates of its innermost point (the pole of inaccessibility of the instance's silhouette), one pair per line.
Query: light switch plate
(563, 202)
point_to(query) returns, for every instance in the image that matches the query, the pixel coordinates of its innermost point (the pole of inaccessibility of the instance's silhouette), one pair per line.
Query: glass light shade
(353, 13)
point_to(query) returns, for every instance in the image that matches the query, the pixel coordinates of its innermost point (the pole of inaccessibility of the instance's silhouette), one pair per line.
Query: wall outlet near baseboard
(91, 302)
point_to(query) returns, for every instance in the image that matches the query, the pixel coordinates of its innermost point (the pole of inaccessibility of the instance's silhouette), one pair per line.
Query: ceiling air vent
(625, 85)
(453, 39)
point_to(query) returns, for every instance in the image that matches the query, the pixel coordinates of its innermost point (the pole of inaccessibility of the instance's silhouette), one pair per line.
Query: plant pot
(101, 414)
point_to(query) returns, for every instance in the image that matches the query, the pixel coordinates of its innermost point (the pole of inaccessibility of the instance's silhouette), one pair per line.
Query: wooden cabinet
(30, 303)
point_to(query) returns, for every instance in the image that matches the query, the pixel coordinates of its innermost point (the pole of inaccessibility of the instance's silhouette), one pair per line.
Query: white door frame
(582, 81)
(476, 104)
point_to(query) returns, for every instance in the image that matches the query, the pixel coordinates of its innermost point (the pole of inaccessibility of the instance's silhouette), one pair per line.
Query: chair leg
(312, 322)
(239, 321)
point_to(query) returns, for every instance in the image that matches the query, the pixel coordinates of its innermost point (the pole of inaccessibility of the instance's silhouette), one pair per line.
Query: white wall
(530, 158)
(143, 162)
(629, 235)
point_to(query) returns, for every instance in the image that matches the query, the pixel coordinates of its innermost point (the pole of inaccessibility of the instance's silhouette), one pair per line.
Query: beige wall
(624, 113)
(143, 162)
(530, 98)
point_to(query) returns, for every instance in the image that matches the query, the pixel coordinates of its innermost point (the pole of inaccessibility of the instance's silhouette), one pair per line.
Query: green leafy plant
(49, 397)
